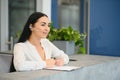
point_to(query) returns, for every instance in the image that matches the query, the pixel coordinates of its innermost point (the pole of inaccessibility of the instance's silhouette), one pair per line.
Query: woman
(33, 51)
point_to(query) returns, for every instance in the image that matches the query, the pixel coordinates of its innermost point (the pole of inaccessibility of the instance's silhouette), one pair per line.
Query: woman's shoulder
(45, 40)
(21, 44)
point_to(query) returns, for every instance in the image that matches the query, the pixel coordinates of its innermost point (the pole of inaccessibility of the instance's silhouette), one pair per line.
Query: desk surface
(94, 68)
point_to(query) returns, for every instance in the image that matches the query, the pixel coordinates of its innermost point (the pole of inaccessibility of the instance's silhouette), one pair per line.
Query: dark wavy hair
(31, 20)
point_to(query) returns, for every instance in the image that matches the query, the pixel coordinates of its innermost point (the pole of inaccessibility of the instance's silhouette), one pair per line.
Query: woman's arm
(59, 55)
(23, 61)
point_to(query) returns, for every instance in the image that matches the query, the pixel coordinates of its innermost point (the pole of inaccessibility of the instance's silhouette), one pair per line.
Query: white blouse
(27, 58)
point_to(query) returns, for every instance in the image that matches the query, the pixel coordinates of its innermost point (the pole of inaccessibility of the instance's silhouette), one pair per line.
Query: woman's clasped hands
(54, 62)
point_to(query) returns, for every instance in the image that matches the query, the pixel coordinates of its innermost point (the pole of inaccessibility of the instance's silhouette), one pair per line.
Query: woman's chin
(44, 37)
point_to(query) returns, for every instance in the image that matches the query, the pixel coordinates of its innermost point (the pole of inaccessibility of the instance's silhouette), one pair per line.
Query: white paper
(63, 68)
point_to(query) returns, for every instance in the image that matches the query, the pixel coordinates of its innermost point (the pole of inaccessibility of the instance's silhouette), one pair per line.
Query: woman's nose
(47, 28)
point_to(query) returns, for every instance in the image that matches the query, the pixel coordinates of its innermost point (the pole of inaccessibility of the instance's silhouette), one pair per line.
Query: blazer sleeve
(20, 61)
(57, 53)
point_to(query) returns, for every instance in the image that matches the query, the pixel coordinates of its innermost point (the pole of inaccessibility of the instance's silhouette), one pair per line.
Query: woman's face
(41, 28)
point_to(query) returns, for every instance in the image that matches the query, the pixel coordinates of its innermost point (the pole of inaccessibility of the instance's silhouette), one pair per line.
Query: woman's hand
(59, 62)
(50, 63)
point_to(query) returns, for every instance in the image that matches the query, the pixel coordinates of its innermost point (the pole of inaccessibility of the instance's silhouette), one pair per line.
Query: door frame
(4, 25)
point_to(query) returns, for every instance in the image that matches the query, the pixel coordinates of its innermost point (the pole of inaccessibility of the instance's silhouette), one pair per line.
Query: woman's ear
(31, 28)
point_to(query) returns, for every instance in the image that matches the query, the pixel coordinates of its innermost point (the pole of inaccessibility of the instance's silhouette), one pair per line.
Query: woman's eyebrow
(49, 23)
(43, 22)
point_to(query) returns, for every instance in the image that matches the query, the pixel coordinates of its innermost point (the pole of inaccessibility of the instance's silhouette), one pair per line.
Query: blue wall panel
(105, 27)
(54, 13)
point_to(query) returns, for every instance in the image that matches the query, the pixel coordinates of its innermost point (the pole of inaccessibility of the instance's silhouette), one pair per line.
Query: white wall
(44, 6)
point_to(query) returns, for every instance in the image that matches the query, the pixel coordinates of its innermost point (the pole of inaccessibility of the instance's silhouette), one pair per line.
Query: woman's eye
(48, 25)
(42, 24)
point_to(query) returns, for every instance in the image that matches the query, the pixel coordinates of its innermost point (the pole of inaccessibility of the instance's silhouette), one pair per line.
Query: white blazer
(26, 57)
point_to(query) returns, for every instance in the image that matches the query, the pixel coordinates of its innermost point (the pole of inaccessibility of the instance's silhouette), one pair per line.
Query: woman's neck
(35, 41)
